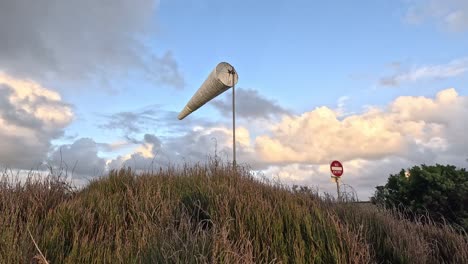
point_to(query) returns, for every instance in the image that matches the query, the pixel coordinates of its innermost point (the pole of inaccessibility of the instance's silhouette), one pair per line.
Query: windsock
(223, 77)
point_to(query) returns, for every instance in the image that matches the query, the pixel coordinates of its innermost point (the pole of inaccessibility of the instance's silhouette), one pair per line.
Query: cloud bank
(77, 40)
(297, 149)
(409, 125)
(79, 158)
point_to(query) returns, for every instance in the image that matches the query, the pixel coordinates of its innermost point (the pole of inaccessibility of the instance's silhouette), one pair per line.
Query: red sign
(336, 168)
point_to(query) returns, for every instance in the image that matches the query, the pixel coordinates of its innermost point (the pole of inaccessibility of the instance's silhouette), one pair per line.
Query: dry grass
(206, 214)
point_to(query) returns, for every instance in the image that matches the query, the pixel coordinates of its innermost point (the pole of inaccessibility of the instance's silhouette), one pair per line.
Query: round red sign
(336, 168)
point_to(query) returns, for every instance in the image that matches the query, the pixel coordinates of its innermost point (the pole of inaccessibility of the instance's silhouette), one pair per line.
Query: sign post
(336, 169)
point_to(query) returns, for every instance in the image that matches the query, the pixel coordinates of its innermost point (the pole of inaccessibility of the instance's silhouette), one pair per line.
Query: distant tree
(441, 191)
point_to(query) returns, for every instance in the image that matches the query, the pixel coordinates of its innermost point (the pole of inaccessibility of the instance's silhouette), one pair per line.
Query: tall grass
(205, 213)
(394, 238)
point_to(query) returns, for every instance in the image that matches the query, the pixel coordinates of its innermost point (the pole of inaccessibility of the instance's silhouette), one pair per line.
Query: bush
(439, 191)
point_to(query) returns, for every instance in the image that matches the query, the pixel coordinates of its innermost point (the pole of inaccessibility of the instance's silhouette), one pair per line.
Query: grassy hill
(206, 213)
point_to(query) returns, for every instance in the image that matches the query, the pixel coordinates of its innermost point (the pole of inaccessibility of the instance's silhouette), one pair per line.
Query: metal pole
(338, 188)
(233, 121)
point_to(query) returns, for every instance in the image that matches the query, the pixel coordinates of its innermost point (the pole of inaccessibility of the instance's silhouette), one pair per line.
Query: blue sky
(147, 58)
(319, 50)
(301, 54)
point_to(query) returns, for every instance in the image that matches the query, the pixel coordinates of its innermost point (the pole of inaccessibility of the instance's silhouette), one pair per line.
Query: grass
(206, 213)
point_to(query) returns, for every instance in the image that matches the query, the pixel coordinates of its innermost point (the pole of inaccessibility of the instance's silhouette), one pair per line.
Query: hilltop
(207, 213)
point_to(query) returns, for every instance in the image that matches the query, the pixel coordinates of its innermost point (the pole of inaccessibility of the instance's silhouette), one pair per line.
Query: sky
(90, 86)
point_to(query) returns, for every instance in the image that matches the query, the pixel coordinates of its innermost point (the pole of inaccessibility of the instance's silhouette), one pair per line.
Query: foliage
(206, 214)
(440, 191)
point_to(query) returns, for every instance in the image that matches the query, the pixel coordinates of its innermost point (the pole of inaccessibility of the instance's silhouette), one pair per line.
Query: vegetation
(206, 213)
(439, 191)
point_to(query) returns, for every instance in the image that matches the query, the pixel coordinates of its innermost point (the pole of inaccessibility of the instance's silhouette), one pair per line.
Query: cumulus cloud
(82, 39)
(250, 104)
(428, 72)
(408, 127)
(80, 158)
(30, 117)
(319, 136)
(195, 145)
(450, 14)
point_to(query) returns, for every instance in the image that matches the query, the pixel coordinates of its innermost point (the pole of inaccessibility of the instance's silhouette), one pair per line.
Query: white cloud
(428, 72)
(318, 136)
(30, 117)
(341, 109)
